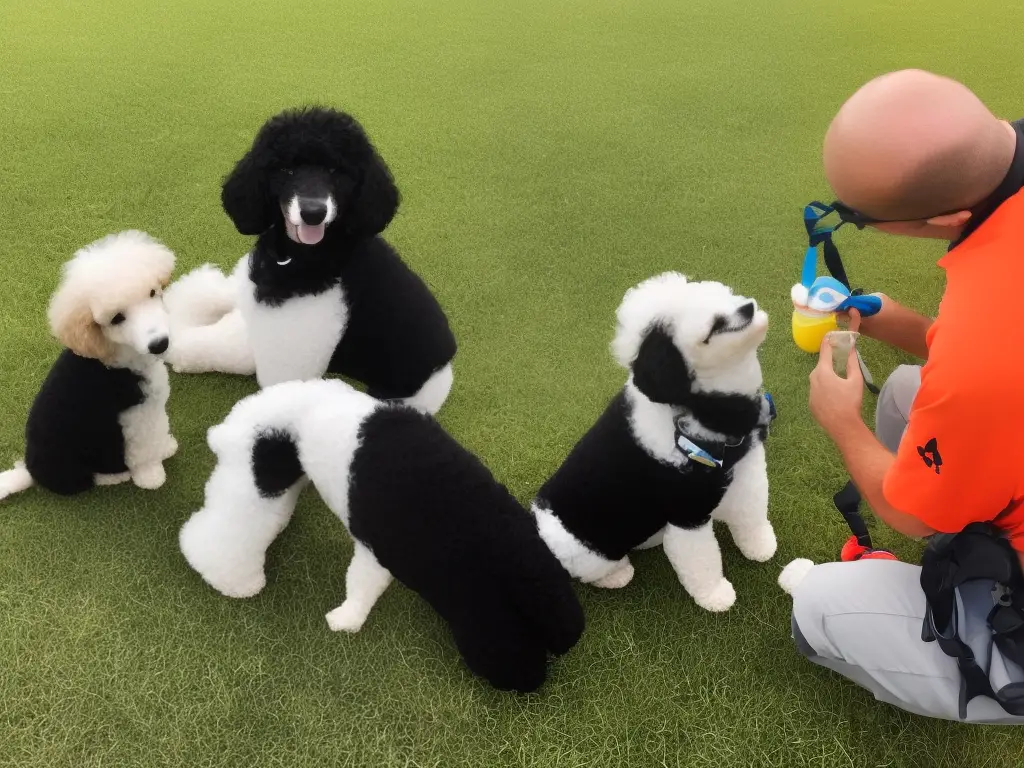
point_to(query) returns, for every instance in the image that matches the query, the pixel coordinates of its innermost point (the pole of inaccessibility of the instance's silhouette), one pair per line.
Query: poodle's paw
(150, 477)
(654, 541)
(170, 447)
(121, 477)
(720, 598)
(348, 617)
(618, 578)
(794, 573)
(759, 545)
(243, 588)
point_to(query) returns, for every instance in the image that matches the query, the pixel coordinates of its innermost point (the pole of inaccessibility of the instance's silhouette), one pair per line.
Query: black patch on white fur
(397, 335)
(73, 430)
(660, 371)
(435, 517)
(730, 414)
(275, 463)
(613, 495)
(662, 374)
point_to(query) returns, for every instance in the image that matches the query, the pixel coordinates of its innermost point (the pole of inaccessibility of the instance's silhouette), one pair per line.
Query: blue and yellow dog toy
(817, 300)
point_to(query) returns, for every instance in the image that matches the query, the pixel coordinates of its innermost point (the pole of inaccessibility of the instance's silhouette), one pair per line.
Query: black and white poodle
(418, 505)
(321, 291)
(681, 445)
(100, 417)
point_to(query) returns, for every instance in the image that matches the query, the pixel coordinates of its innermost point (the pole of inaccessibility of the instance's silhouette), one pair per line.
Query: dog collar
(710, 454)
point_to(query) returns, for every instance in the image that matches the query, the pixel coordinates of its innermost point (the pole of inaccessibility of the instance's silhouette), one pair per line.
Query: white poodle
(100, 417)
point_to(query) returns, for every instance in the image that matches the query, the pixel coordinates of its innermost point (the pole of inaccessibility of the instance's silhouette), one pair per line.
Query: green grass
(550, 155)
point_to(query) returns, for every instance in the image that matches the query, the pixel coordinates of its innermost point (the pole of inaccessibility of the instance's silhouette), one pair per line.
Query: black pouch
(975, 612)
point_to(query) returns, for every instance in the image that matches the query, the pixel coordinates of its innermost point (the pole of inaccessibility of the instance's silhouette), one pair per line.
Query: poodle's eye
(152, 294)
(117, 319)
(289, 171)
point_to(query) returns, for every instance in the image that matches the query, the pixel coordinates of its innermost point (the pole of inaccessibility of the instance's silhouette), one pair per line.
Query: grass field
(550, 155)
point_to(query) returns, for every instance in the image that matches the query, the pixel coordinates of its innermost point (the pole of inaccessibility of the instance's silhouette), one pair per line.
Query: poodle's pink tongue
(311, 234)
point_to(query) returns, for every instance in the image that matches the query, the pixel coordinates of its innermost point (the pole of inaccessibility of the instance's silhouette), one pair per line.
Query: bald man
(912, 153)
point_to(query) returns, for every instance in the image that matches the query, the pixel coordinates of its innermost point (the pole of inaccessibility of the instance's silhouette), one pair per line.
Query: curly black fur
(397, 334)
(312, 136)
(435, 517)
(612, 495)
(73, 430)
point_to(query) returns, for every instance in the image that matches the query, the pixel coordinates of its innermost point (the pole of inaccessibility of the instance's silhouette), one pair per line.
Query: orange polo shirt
(962, 457)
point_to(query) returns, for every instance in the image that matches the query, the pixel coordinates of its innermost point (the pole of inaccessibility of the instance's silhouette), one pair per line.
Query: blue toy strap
(817, 235)
(810, 270)
(866, 305)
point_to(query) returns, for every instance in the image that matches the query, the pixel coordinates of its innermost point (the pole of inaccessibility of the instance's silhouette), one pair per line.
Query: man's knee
(894, 402)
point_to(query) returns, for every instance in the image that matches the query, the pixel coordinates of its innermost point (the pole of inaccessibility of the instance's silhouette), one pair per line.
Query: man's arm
(868, 461)
(898, 326)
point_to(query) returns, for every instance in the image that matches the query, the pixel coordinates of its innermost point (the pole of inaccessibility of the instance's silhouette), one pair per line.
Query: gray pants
(863, 620)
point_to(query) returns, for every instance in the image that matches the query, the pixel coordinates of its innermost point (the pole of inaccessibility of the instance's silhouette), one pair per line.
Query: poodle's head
(316, 170)
(109, 305)
(679, 337)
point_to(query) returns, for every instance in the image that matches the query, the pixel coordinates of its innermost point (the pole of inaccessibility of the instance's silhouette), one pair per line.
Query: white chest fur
(296, 339)
(145, 426)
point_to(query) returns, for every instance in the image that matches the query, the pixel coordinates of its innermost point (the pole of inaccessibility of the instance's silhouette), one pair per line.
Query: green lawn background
(550, 155)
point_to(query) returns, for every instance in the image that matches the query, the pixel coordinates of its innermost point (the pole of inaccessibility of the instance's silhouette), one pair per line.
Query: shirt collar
(1008, 187)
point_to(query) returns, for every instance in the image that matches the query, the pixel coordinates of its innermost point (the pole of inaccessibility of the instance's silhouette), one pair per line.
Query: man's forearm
(899, 327)
(868, 461)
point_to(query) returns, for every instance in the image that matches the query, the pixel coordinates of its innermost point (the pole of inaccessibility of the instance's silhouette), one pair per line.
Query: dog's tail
(15, 480)
(201, 297)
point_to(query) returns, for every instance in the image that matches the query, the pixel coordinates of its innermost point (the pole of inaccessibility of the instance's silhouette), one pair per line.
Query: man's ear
(659, 371)
(957, 219)
(244, 197)
(375, 201)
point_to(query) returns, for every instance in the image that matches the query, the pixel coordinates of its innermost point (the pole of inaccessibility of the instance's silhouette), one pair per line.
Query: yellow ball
(809, 330)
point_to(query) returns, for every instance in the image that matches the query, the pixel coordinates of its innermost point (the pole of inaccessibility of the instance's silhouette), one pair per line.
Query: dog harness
(711, 454)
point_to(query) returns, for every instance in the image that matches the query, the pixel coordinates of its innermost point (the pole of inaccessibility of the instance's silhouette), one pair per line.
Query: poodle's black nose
(747, 311)
(159, 346)
(313, 211)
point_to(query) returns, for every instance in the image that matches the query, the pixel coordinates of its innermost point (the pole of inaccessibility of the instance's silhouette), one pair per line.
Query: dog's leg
(654, 541)
(744, 507)
(226, 541)
(579, 560)
(432, 395)
(365, 582)
(170, 447)
(200, 297)
(117, 479)
(620, 577)
(697, 561)
(222, 347)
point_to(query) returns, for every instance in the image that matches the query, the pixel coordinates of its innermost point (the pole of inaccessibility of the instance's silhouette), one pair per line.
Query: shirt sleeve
(958, 460)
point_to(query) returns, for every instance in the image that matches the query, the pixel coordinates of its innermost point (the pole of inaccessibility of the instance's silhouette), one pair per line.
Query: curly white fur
(218, 326)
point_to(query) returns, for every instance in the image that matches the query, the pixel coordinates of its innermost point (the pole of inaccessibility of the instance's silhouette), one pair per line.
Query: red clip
(853, 551)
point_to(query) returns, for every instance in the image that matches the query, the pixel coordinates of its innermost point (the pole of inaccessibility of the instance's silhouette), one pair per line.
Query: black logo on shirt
(930, 455)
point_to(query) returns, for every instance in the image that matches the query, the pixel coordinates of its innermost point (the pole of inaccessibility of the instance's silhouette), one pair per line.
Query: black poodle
(321, 290)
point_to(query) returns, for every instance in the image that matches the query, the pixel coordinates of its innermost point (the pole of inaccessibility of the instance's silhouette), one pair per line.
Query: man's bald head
(912, 145)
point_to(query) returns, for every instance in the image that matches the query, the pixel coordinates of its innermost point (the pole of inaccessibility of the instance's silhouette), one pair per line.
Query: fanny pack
(975, 612)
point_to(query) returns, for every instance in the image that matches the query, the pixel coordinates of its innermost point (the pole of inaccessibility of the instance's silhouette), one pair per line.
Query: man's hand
(894, 325)
(835, 402)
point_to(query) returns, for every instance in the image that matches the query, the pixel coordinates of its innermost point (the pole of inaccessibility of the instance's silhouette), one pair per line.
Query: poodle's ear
(659, 371)
(74, 326)
(244, 196)
(375, 200)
